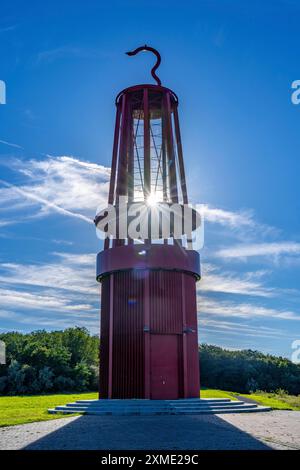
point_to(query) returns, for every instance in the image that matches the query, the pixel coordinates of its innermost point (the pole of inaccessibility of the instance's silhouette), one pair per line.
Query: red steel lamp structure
(149, 338)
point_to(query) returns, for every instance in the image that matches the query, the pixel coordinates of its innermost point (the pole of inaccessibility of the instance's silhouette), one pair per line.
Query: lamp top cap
(156, 65)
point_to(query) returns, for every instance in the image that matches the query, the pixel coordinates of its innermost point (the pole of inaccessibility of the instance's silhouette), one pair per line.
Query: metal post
(164, 157)
(147, 155)
(184, 339)
(121, 189)
(111, 334)
(113, 166)
(180, 156)
(147, 162)
(147, 345)
(170, 151)
(130, 158)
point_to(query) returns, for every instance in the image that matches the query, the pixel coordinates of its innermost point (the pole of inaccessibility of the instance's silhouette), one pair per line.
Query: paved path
(272, 430)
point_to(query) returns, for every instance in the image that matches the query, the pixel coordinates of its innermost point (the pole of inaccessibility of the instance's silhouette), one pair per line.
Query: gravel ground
(272, 430)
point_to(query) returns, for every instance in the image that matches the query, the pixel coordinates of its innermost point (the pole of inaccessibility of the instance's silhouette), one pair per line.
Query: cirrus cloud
(260, 249)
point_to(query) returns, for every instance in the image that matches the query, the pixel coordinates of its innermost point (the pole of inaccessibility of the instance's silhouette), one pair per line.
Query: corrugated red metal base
(149, 343)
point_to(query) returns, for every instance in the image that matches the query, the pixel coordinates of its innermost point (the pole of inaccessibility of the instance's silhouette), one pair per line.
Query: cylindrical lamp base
(149, 341)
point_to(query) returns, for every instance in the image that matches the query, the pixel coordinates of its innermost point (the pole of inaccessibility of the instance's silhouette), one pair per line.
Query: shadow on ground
(147, 432)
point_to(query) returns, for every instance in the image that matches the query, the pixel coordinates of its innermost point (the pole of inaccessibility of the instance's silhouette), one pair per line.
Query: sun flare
(152, 199)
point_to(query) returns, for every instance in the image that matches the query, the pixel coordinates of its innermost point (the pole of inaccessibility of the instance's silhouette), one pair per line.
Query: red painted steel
(147, 150)
(170, 149)
(164, 367)
(180, 155)
(165, 302)
(149, 337)
(184, 340)
(110, 334)
(166, 257)
(155, 88)
(147, 303)
(113, 166)
(128, 336)
(104, 338)
(193, 380)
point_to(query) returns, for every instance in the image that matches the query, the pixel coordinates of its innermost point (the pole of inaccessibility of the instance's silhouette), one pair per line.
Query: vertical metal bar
(180, 156)
(121, 189)
(130, 158)
(100, 388)
(147, 153)
(147, 156)
(170, 151)
(147, 345)
(123, 152)
(114, 164)
(111, 333)
(164, 153)
(163, 149)
(184, 339)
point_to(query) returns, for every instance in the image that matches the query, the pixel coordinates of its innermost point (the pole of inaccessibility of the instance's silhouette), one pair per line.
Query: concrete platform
(189, 406)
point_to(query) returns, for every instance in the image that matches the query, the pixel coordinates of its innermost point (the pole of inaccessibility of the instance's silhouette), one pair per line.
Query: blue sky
(232, 64)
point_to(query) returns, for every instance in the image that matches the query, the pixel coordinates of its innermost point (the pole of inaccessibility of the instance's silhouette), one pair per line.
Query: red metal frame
(147, 366)
(154, 257)
(111, 335)
(148, 290)
(184, 343)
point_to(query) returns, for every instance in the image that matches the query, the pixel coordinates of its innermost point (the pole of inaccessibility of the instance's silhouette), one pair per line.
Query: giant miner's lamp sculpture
(149, 343)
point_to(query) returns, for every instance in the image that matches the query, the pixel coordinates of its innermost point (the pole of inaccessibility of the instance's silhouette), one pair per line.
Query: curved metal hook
(156, 53)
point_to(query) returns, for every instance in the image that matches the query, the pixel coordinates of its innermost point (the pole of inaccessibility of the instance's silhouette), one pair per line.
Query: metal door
(164, 367)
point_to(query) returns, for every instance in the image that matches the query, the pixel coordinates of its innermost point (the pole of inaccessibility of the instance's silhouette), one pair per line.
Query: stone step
(152, 404)
(148, 410)
(110, 410)
(209, 410)
(139, 401)
(225, 405)
(158, 407)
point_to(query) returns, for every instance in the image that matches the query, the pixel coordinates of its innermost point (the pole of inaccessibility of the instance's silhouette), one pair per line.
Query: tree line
(247, 371)
(44, 362)
(68, 361)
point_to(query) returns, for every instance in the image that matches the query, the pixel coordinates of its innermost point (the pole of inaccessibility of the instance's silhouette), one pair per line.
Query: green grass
(213, 393)
(28, 409)
(276, 401)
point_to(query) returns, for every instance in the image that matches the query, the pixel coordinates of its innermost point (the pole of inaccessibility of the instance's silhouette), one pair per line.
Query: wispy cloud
(29, 300)
(228, 218)
(4, 223)
(60, 293)
(242, 310)
(241, 223)
(240, 329)
(260, 249)
(68, 51)
(62, 185)
(249, 283)
(53, 322)
(6, 29)
(69, 272)
(10, 144)
(47, 206)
